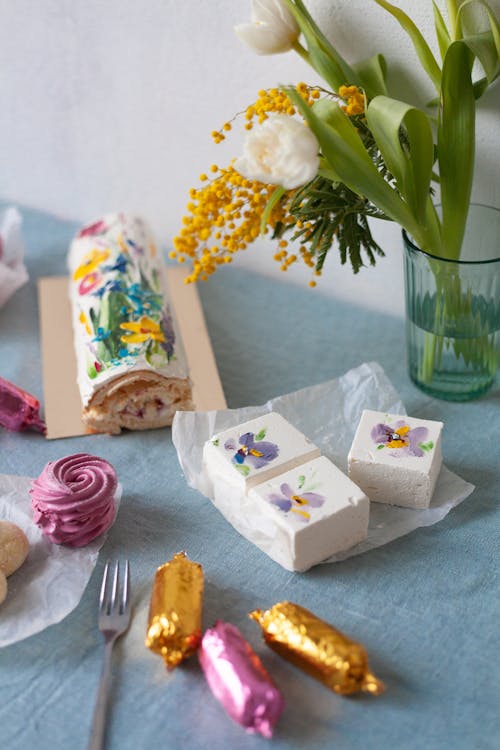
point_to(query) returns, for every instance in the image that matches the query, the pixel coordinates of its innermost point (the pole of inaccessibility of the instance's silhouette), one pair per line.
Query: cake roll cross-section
(132, 368)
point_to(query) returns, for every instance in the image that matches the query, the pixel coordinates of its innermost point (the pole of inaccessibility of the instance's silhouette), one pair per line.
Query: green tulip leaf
(411, 165)
(481, 32)
(323, 56)
(372, 74)
(456, 130)
(442, 33)
(422, 49)
(343, 149)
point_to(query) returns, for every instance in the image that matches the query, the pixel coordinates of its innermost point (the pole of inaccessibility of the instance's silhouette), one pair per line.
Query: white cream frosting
(121, 317)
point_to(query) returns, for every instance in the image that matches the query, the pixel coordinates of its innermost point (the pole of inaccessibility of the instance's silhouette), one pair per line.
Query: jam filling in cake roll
(132, 369)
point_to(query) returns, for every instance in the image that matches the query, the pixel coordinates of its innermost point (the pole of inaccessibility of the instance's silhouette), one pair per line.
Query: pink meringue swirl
(73, 499)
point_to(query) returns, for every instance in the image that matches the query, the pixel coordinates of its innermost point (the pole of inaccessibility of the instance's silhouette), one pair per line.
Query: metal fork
(114, 619)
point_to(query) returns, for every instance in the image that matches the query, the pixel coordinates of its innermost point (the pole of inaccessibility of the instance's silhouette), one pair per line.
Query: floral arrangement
(319, 160)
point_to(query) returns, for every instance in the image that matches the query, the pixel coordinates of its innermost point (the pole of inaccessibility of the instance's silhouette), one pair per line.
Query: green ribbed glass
(453, 312)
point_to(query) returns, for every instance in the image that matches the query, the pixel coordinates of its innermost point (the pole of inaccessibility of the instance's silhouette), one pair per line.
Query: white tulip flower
(280, 151)
(272, 30)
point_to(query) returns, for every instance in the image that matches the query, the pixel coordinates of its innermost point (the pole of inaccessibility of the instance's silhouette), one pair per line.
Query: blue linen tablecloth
(425, 606)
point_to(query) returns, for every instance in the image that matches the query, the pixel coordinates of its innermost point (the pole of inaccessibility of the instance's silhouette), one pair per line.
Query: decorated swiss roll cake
(132, 369)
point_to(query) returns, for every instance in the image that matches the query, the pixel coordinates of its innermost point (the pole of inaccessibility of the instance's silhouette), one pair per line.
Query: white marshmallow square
(316, 511)
(396, 459)
(255, 451)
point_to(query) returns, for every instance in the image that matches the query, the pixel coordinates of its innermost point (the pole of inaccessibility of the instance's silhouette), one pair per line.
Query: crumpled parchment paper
(328, 414)
(13, 273)
(50, 583)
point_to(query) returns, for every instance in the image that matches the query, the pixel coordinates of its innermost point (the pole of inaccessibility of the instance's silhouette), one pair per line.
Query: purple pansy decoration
(252, 450)
(401, 439)
(296, 502)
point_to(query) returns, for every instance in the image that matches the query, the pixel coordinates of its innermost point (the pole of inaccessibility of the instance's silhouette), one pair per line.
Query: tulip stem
(300, 50)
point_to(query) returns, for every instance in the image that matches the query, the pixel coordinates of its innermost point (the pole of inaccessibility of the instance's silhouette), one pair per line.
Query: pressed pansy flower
(89, 282)
(90, 263)
(141, 330)
(251, 450)
(401, 438)
(296, 502)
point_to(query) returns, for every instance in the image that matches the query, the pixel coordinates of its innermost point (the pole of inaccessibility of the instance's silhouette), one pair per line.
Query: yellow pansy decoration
(399, 442)
(142, 330)
(90, 262)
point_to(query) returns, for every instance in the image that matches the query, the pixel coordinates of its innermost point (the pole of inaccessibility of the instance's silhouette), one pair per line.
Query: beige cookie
(14, 547)
(3, 586)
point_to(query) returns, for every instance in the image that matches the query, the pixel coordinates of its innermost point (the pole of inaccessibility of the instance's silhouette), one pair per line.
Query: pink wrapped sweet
(19, 410)
(73, 499)
(238, 679)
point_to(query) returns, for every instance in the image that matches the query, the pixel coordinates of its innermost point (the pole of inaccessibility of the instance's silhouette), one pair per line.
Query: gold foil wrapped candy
(317, 648)
(174, 625)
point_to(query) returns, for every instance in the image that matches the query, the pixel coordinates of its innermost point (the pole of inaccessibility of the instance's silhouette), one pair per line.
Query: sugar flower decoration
(252, 449)
(296, 502)
(401, 439)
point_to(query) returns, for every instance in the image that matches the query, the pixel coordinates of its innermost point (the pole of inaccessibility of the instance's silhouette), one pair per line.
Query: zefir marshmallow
(315, 510)
(255, 451)
(396, 459)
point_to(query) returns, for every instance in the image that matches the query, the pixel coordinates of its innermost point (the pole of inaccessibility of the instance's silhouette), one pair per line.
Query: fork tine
(115, 587)
(102, 595)
(126, 586)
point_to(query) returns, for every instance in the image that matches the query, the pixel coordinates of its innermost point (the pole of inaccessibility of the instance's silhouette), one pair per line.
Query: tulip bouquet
(319, 160)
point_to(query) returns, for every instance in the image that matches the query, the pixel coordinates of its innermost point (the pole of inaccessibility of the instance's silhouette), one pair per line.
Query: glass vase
(453, 312)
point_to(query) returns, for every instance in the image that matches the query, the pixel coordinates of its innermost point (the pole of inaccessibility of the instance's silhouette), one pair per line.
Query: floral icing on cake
(124, 317)
(297, 500)
(401, 439)
(122, 313)
(251, 451)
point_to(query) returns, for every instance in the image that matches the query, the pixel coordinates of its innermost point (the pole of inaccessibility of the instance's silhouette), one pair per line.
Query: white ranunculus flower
(273, 29)
(280, 151)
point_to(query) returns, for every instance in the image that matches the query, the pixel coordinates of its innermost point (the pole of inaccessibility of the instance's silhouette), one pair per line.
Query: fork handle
(96, 741)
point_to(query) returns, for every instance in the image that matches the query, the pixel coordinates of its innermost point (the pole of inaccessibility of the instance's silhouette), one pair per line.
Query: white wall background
(108, 104)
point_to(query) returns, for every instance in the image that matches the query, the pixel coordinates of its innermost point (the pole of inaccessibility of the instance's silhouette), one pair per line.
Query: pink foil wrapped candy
(73, 499)
(19, 410)
(238, 679)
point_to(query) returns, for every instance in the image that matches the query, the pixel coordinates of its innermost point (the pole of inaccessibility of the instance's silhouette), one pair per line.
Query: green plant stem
(302, 52)
(452, 8)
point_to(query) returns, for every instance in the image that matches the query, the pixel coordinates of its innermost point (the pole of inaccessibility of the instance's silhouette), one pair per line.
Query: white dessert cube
(312, 511)
(396, 459)
(254, 451)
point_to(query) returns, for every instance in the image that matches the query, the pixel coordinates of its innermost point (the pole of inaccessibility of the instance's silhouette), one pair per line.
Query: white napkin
(13, 273)
(328, 414)
(50, 583)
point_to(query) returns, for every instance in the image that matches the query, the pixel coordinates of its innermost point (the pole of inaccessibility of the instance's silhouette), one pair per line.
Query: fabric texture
(425, 606)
